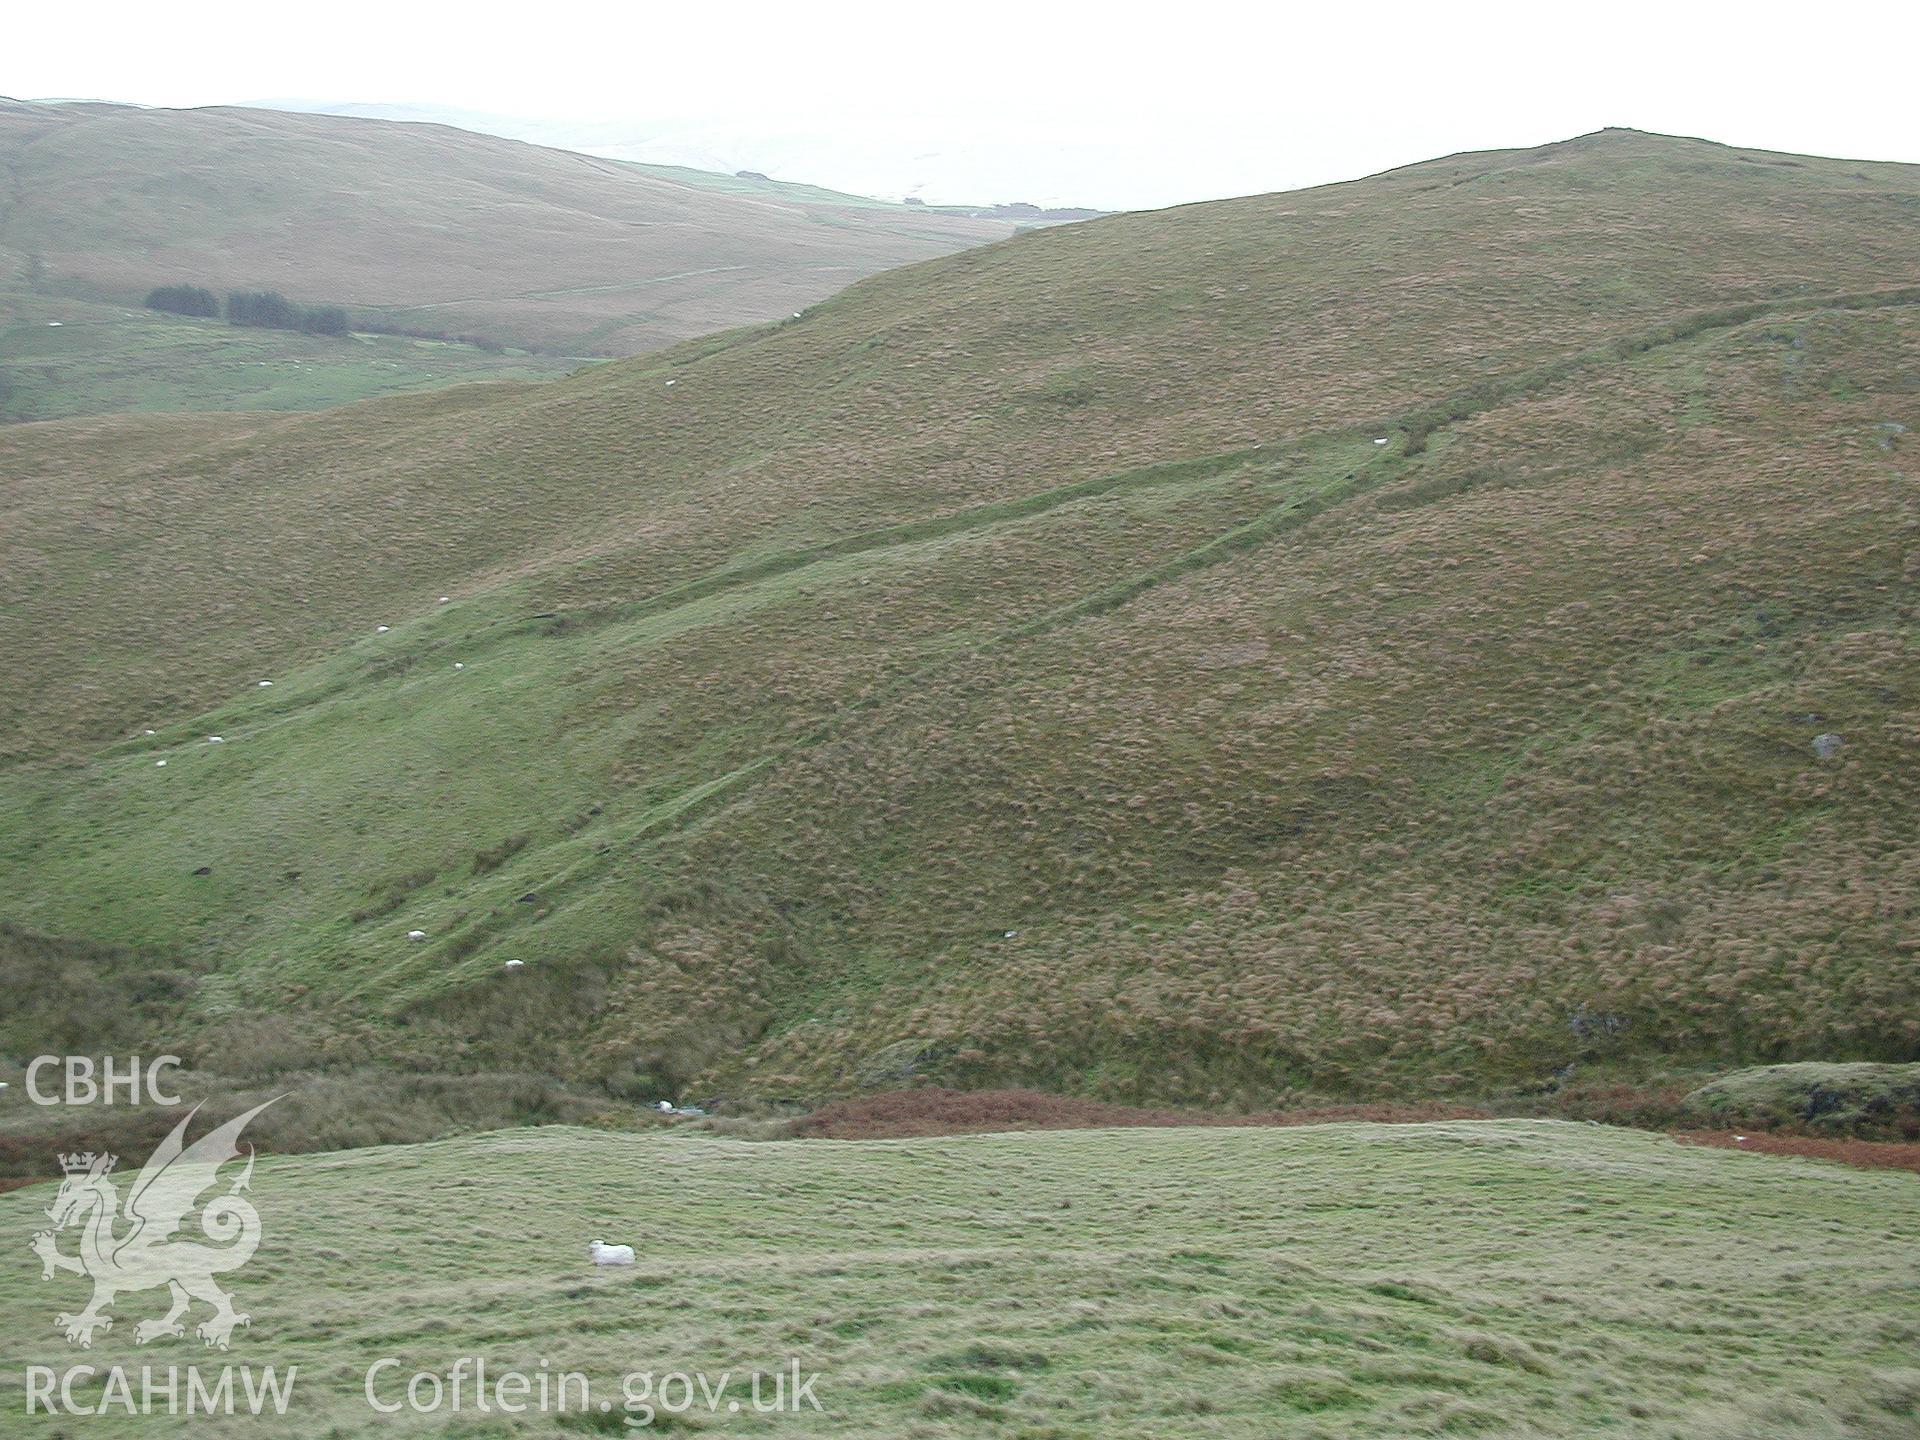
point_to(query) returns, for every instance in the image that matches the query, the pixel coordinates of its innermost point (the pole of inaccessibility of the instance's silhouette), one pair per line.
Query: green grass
(1834, 1099)
(1512, 1279)
(106, 359)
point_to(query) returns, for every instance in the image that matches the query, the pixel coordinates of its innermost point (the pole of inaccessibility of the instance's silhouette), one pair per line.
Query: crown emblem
(81, 1162)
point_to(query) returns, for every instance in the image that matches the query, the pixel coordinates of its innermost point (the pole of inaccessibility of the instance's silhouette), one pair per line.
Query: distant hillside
(428, 227)
(1447, 633)
(872, 161)
(1020, 213)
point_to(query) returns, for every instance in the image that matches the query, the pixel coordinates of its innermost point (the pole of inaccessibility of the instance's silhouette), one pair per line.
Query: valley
(1296, 815)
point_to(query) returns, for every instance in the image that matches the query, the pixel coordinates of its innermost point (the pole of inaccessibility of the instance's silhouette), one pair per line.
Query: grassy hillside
(1505, 1279)
(1842, 1099)
(425, 227)
(62, 357)
(1361, 642)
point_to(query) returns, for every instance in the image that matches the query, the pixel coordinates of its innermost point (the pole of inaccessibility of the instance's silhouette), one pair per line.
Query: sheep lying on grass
(603, 1254)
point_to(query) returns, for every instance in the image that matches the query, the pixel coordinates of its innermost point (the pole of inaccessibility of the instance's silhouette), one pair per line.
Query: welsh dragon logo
(124, 1251)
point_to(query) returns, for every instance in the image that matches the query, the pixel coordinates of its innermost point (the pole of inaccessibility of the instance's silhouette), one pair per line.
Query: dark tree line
(267, 309)
(183, 300)
(271, 310)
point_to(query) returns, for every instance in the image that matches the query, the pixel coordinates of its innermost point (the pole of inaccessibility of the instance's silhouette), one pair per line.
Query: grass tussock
(494, 856)
(1861, 1100)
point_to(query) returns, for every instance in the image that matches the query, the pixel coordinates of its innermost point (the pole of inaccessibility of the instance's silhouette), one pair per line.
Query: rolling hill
(1369, 641)
(421, 227)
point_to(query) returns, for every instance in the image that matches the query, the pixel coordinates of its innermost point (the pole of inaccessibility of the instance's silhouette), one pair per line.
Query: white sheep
(603, 1254)
(516, 964)
(416, 934)
(266, 684)
(381, 629)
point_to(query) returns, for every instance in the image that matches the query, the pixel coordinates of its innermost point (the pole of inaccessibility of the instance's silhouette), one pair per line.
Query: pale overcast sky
(1086, 104)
